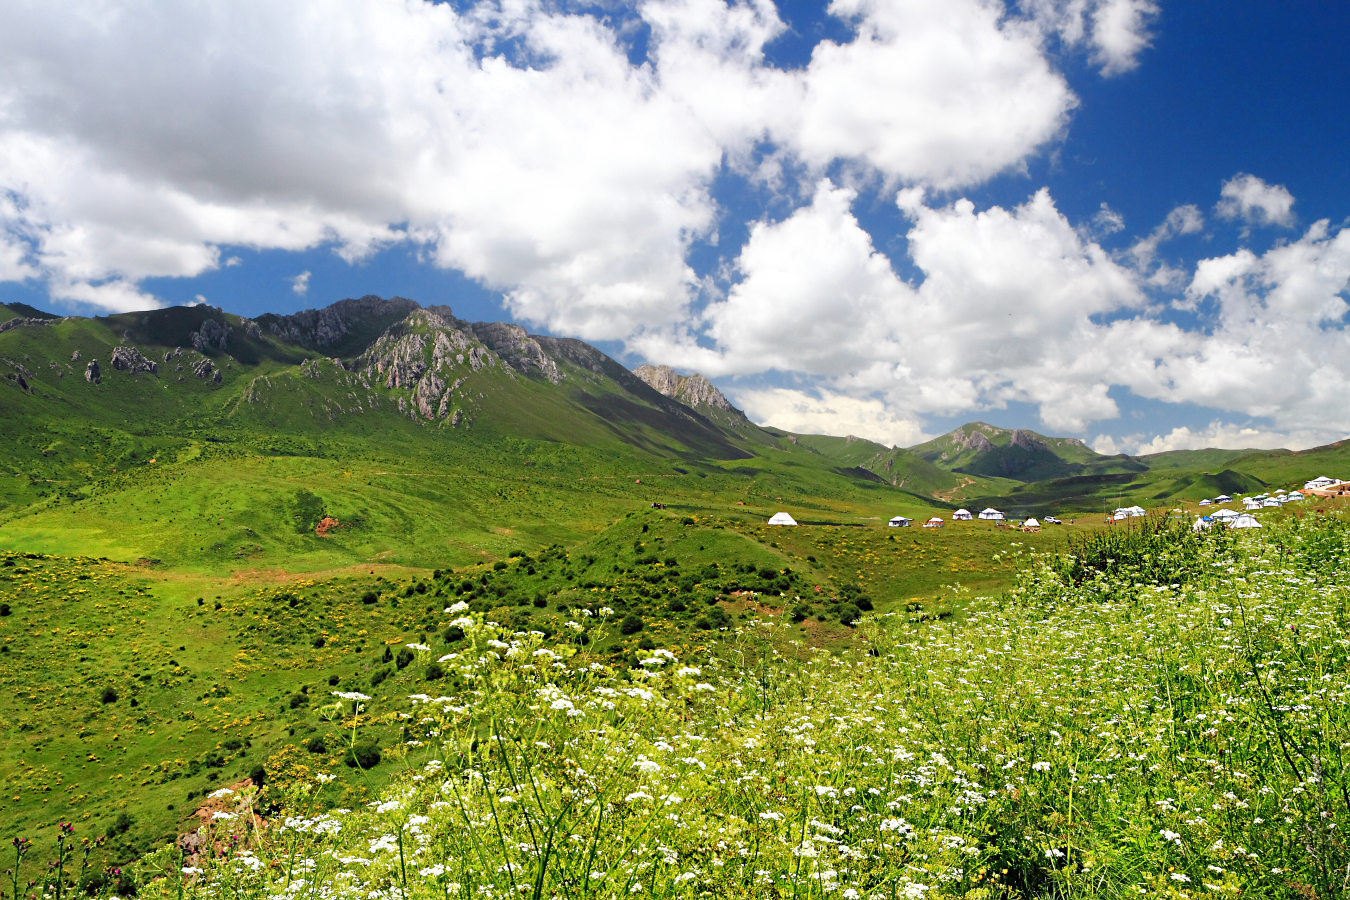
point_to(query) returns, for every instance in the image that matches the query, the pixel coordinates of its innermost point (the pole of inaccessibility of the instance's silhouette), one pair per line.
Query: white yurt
(900, 522)
(782, 518)
(991, 514)
(1244, 521)
(962, 515)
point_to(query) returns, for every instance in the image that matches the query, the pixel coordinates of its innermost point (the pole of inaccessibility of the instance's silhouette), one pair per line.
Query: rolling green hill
(1021, 455)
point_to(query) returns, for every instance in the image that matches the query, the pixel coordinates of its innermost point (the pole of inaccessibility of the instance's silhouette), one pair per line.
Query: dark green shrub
(631, 624)
(109, 695)
(435, 672)
(370, 597)
(316, 745)
(849, 614)
(404, 657)
(362, 756)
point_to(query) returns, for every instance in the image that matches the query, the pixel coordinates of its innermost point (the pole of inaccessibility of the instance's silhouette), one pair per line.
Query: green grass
(1107, 739)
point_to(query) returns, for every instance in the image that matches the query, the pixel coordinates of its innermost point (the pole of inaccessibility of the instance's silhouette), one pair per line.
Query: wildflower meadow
(1099, 730)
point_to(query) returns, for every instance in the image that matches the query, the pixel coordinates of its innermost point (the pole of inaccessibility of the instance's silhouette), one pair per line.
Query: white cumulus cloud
(1250, 199)
(1216, 434)
(830, 412)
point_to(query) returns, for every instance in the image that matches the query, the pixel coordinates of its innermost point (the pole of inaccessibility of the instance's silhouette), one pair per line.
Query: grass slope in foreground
(1099, 731)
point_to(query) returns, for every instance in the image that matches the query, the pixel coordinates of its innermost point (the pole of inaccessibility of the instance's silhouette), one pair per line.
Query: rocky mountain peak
(1028, 440)
(314, 329)
(974, 439)
(691, 390)
(517, 349)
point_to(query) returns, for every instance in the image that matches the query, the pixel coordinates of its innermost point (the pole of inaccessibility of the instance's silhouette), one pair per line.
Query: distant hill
(1018, 454)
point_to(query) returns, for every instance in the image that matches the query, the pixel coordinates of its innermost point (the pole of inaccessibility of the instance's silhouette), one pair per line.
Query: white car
(1051, 520)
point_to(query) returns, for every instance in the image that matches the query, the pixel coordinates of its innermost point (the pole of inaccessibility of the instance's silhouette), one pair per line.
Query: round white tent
(782, 518)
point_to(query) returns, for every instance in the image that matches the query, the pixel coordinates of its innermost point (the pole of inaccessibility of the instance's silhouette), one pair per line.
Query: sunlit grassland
(210, 658)
(1080, 735)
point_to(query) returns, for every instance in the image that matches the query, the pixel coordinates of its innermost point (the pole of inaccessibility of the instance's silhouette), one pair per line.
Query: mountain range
(187, 389)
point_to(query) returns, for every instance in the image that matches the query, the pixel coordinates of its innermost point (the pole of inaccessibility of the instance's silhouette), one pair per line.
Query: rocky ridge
(691, 390)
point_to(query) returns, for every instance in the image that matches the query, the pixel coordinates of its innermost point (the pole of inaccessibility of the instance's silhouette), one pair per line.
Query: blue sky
(1120, 220)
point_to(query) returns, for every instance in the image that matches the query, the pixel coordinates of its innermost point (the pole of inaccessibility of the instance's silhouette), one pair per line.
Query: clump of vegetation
(1146, 551)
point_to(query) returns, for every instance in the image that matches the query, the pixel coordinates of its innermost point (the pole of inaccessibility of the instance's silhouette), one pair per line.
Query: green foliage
(1147, 551)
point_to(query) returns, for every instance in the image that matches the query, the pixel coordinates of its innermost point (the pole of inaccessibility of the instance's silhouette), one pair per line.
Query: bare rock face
(75, 357)
(973, 440)
(1027, 440)
(315, 328)
(419, 355)
(517, 349)
(212, 335)
(691, 390)
(92, 373)
(207, 371)
(132, 361)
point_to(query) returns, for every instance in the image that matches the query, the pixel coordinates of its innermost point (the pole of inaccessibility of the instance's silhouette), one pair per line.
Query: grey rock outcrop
(75, 357)
(517, 349)
(207, 371)
(212, 335)
(973, 440)
(27, 321)
(691, 390)
(419, 355)
(92, 373)
(1028, 440)
(130, 360)
(316, 328)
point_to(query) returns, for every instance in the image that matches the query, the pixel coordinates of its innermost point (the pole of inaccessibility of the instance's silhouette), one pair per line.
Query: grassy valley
(214, 532)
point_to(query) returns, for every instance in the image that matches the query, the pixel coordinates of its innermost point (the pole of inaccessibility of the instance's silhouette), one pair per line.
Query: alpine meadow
(674, 450)
(373, 601)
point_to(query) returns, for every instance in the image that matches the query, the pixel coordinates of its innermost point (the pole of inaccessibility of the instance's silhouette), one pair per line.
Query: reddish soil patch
(327, 524)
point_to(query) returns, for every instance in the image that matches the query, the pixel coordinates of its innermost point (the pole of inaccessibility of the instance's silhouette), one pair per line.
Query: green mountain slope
(980, 449)
(210, 441)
